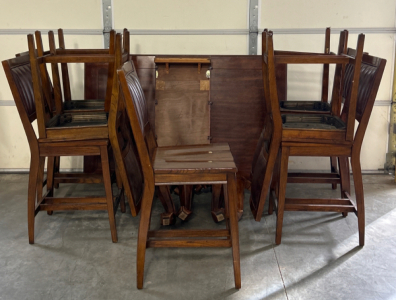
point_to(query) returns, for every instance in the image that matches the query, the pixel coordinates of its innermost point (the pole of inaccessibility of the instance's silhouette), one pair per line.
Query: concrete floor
(319, 258)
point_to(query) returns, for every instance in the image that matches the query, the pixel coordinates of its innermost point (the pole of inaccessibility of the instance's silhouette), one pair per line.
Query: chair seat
(83, 105)
(312, 121)
(212, 158)
(77, 120)
(77, 127)
(316, 107)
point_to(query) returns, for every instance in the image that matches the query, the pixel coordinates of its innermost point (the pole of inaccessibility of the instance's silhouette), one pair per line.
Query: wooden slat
(197, 178)
(69, 151)
(182, 60)
(187, 243)
(312, 180)
(311, 59)
(81, 51)
(316, 175)
(319, 207)
(189, 233)
(214, 158)
(337, 201)
(81, 133)
(67, 206)
(79, 58)
(76, 200)
(78, 178)
(320, 151)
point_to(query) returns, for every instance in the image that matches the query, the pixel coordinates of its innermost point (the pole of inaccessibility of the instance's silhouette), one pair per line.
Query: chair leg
(34, 166)
(144, 226)
(357, 179)
(333, 168)
(282, 193)
(345, 179)
(109, 193)
(169, 216)
(120, 187)
(185, 202)
(40, 179)
(56, 169)
(50, 179)
(272, 155)
(240, 195)
(217, 210)
(274, 185)
(233, 215)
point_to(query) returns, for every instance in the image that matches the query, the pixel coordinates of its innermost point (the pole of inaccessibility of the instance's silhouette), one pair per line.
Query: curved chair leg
(274, 187)
(345, 178)
(34, 166)
(119, 186)
(233, 215)
(217, 210)
(334, 169)
(50, 178)
(109, 193)
(169, 216)
(358, 182)
(144, 226)
(272, 155)
(282, 193)
(240, 182)
(40, 179)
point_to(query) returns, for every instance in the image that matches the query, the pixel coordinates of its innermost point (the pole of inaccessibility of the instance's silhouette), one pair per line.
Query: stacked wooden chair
(316, 134)
(179, 165)
(321, 107)
(60, 134)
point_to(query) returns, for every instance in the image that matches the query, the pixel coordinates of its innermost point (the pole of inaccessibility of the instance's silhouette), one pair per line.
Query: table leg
(185, 194)
(168, 217)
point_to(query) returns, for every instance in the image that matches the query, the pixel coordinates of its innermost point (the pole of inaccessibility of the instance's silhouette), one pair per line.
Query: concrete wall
(295, 21)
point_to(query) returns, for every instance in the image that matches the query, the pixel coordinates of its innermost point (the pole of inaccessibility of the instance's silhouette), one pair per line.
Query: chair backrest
(19, 76)
(372, 69)
(136, 108)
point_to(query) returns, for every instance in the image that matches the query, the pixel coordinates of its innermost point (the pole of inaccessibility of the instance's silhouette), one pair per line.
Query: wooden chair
(322, 107)
(62, 135)
(264, 158)
(179, 165)
(301, 135)
(53, 94)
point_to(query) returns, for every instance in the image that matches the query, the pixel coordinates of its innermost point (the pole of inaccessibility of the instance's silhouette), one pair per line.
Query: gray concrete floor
(319, 258)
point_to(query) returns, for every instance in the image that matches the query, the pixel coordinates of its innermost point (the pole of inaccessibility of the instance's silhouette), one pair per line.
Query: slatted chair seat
(320, 122)
(77, 120)
(75, 106)
(211, 158)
